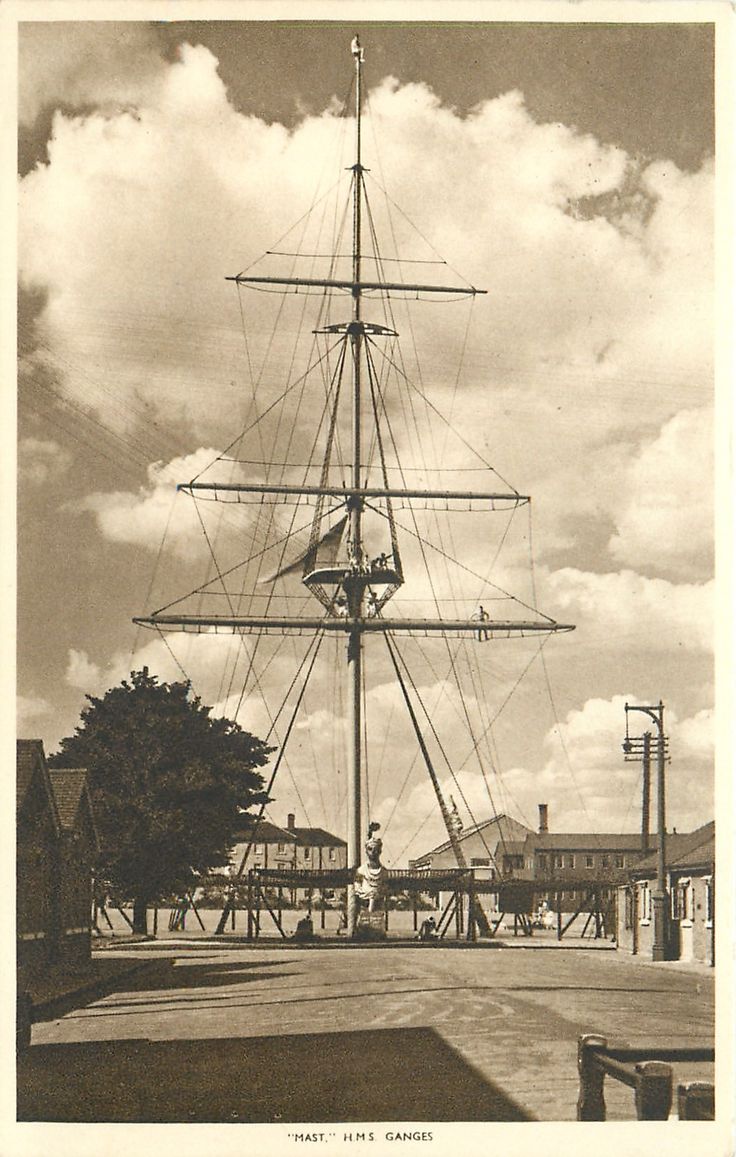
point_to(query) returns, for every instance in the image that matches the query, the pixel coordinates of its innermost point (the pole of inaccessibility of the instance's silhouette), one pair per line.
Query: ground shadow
(407, 1074)
(166, 975)
(181, 973)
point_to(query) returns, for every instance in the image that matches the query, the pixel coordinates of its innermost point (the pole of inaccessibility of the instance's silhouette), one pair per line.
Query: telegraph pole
(633, 746)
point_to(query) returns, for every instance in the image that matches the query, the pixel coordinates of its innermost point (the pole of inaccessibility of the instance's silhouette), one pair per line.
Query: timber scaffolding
(261, 890)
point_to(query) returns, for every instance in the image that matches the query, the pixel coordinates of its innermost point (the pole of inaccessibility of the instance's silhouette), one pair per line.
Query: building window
(629, 909)
(619, 861)
(590, 861)
(258, 850)
(687, 907)
(331, 853)
(559, 862)
(281, 847)
(645, 903)
(479, 861)
(708, 881)
(542, 863)
(307, 853)
(605, 861)
(677, 901)
(571, 861)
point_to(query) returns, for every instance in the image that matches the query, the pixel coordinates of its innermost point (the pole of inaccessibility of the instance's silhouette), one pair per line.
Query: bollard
(653, 1092)
(591, 1105)
(696, 1101)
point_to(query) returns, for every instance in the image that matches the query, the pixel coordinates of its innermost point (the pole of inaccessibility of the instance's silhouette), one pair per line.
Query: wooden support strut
(271, 913)
(591, 1103)
(696, 1101)
(650, 1079)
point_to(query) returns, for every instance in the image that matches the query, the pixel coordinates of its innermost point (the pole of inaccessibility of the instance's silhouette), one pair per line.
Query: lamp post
(640, 746)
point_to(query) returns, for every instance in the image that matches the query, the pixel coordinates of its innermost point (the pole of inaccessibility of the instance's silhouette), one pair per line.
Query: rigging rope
(394, 653)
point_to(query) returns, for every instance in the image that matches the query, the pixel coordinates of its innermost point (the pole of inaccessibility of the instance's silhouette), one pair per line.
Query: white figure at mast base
(371, 876)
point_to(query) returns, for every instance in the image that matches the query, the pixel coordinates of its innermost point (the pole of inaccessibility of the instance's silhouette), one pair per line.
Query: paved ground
(365, 1034)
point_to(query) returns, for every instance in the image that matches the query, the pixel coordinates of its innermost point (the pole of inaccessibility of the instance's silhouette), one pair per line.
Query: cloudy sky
(566, 169)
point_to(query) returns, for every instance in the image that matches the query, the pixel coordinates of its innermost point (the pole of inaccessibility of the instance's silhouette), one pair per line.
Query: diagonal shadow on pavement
(407, 1074)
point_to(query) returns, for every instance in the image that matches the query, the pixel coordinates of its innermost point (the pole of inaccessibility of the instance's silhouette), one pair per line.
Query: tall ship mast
(353, 571)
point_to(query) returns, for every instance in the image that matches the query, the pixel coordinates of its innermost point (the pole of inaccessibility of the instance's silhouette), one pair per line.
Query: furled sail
(327, 549)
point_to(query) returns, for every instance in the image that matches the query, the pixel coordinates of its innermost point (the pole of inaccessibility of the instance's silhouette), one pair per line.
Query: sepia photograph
(371, 453)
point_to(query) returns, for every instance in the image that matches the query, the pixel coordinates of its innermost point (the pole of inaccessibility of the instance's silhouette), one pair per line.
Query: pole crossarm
(375, 626)
(656, 714)
(355, 287)
(348, 492)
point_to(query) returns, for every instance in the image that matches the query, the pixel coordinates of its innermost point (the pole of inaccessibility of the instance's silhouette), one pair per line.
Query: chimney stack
(290, 821)
(543, 826)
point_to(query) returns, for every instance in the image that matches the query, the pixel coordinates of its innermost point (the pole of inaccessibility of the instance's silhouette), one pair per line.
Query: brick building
(290, 847)
(38, 831)
(78, 846)
(578, 855)
(56, 844)
(690, 924)
(492, 848)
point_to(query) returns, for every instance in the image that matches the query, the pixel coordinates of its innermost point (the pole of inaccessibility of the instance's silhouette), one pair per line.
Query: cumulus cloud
(625, 609)
(696, 736)
(81, 672)
(155, 511)
(591, 788)
(665, 516)
(106, 230)
(41, 460)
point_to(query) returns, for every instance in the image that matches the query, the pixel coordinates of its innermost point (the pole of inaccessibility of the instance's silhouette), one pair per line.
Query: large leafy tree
(168, 783)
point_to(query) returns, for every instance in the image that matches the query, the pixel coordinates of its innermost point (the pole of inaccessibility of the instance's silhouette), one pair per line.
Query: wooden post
(414, 908)
(470, 932)
(196, 911)
(696, 1101)
(653, 1091)
(559, 918)
(591, 1105)
(155, 922)
(249, 901)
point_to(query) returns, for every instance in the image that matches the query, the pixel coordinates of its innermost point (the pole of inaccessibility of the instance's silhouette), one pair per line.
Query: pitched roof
(317, 837)
(267, 832)
(30, 760)
(502, 822)
(69, 784)
(702, 856)
(684, 849)
(27, 752)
